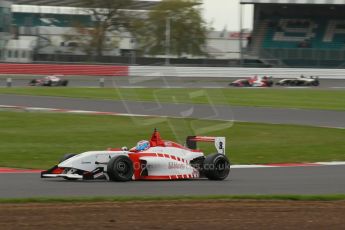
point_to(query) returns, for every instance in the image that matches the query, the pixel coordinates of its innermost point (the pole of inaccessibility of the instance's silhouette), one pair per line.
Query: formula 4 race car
(53, 80)
(253, 82)
(156, 159)
(300, 81)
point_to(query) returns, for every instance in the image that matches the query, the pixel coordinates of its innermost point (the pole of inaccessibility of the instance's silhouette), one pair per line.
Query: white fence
(233, 72)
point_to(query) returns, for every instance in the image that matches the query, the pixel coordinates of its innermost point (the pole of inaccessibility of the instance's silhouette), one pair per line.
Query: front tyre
(120, 168)
(216, 167)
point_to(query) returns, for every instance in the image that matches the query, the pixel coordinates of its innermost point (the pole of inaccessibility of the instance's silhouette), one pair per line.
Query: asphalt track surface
(281, 180)
(159, 82)
(321, 118)
(284, 180)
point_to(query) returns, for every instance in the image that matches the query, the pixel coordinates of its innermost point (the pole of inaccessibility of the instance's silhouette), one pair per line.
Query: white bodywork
(53, 78)
(171, 161)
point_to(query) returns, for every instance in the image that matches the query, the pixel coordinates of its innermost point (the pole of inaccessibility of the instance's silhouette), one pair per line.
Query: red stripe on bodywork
(114, 149)
(57, 171)
(172, 177)
(155, 178)
(135, 157)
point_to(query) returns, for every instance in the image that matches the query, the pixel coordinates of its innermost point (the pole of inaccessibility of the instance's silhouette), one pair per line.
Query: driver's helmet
(142, 145)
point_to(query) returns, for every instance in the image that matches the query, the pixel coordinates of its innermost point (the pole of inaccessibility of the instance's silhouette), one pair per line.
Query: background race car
(156, 159)
(300, 81)
(253, 82)
(53, 80)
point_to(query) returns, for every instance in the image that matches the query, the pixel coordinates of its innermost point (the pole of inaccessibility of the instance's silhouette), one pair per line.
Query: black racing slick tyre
(120, 168)
(66, 156)
(315, 83)
(64, 82)
(216, 167)
(33, 82)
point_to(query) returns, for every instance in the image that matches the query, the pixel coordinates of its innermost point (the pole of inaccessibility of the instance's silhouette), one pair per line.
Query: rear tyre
(315, 83)
(120, 168)
(64, 82)
(49, 83)
(216, 167)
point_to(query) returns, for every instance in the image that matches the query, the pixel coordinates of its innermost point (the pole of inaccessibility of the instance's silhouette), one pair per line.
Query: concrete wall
(210, 72)
(234, 72)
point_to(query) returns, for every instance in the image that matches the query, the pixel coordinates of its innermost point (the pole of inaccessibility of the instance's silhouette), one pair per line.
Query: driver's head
(142, 145)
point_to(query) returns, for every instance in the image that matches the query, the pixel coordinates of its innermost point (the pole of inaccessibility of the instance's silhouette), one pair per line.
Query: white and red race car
(156, 159)
(52, 80)
(253, 82)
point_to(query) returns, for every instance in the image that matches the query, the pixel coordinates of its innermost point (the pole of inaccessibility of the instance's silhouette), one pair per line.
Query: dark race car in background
(300, 81)
(53, 80)
(253, 82)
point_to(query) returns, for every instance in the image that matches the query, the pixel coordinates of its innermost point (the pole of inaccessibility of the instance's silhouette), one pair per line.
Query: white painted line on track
(332, 163)
(297, 87)
(55, 110)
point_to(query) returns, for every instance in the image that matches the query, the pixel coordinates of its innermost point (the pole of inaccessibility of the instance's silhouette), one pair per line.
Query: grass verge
(38, 140)
(336, 197)
(292, 98)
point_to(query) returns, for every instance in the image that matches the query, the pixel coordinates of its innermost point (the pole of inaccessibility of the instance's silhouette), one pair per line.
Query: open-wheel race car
(52, 80)
(253, 82)
(299, 81)
(156, 159)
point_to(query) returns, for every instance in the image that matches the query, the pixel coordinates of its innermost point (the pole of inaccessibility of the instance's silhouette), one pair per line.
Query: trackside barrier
(101, 82)
(209, 72)
(63, 69)
(9, 82)
(234, 72)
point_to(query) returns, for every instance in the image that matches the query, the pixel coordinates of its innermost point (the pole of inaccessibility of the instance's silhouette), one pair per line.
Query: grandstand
(304, 33)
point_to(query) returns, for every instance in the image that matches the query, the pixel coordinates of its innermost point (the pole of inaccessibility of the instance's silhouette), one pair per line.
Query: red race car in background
(52, 80)
(253, 82)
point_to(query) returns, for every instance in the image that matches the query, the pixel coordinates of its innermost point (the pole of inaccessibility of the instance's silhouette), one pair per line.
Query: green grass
(38, 140)
(336, 197)
(292, 98)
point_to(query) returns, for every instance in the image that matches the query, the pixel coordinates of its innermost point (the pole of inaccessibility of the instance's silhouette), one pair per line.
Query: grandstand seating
(303, 41)
(57, 20)
(320, 34)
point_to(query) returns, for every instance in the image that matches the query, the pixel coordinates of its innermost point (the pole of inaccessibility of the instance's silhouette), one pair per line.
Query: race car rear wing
(219, 142)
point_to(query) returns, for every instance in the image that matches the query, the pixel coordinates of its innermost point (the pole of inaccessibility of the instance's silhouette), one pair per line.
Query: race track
(161, 82)
(321, 118)
(280, 180)
(284, 180)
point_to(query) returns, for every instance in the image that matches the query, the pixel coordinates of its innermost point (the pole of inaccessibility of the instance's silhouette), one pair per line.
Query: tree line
(173, 26)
